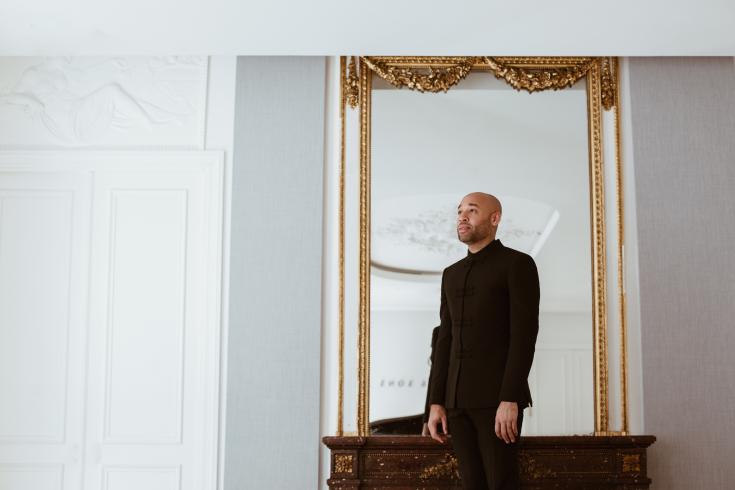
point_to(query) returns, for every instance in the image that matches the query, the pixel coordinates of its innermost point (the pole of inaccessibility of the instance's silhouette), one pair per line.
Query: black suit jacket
(427, 405)
(489, 324)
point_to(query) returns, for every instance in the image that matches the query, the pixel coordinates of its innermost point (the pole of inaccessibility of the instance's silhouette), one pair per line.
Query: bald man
(484, 349)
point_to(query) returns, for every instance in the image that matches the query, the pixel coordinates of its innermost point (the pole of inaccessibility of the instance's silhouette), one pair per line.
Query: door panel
(150, 339)
(44, 235)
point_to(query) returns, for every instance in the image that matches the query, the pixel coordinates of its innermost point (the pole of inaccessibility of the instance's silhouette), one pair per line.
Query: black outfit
(427, 405)
(483, 354)
(485, 460)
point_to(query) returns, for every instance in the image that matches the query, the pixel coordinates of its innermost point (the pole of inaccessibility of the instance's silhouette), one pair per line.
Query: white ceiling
(328, 27)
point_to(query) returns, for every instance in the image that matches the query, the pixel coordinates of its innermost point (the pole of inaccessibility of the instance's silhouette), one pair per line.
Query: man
(484, 349)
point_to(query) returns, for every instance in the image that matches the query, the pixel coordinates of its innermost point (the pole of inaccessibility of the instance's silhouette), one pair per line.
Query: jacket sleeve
(427, 406)
(523, 288)
(440, 362)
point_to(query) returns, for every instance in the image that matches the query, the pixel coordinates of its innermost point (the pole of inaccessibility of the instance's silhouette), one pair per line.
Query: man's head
(478, 216)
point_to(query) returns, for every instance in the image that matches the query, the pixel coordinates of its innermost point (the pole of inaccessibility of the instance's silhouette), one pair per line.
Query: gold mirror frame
(435, 74)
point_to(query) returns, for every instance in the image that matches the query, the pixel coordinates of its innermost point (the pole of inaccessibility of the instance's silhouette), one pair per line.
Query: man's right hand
(437, 415)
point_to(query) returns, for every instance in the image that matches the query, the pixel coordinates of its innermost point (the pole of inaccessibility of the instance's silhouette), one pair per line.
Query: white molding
(636, 422)
(214, 314)
(219, 135)
(172, 469)
(330, 268)
(36, 469)
(92, 160)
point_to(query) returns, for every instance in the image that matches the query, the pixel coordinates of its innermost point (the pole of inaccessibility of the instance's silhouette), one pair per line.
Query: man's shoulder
(513, 254)
(455, 266)
(519, 262)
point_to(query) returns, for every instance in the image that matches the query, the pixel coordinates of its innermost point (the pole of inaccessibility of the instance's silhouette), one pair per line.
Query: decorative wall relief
(103, 102)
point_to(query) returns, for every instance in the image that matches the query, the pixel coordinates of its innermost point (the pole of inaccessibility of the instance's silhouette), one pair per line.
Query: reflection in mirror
(428, 151)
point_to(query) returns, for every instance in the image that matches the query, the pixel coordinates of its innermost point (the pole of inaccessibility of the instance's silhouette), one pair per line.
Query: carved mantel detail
(569, 462)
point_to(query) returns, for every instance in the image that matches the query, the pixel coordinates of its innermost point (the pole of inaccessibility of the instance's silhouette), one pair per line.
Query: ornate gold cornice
(540, 78)
(423, 79)
(439, 74)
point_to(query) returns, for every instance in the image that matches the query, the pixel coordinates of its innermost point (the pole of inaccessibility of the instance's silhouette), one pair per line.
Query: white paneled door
(44, 248)
(110, 273)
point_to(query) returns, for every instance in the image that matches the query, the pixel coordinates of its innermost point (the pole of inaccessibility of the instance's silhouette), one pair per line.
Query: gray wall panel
(683, 115)
(272, 426)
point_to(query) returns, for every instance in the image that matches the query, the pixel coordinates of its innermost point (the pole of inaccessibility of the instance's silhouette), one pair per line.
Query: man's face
(474, 220)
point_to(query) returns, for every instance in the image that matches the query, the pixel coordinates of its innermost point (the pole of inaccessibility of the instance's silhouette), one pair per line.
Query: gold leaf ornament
(428, 79)
(351, 84)
(608, 80)
(536, 79)
(448, 469)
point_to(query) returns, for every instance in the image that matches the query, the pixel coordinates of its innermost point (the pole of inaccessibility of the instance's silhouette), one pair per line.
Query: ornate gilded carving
(439, 74)
(363, 348)
(343, 463)
(341, 312)
(351, 84)
(534, 470)
(621, 256)
(449, 469)
(608, 82)
(542, 78)
(423, 79)
(599, 257)
(631, 463)
(422, 61)
(542, 62)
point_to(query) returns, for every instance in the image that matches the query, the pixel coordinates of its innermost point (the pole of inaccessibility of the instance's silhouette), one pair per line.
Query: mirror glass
(428, 151)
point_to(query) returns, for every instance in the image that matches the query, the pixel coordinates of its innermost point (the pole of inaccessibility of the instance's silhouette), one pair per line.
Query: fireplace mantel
(558, 462)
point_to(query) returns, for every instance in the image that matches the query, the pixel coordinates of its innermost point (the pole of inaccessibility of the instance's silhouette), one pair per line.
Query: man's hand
(438, 414)
(425, 429)
(506, 421)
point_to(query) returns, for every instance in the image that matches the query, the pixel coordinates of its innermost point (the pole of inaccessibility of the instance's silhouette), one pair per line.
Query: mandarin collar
(484, 251)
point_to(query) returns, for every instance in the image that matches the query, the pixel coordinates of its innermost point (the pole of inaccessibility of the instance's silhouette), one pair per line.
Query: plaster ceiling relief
(78, 101)
(417, 234)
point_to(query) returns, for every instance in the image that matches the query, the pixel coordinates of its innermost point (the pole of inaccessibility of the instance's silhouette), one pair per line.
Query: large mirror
(529, 150)
(540, 154)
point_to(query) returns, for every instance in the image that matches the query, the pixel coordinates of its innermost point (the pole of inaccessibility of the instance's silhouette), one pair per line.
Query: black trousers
(486, 462)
